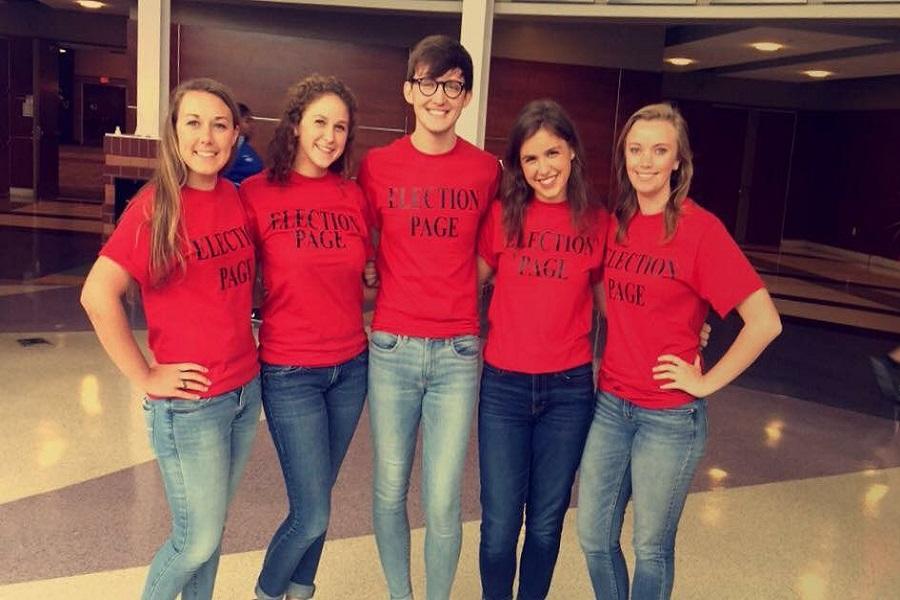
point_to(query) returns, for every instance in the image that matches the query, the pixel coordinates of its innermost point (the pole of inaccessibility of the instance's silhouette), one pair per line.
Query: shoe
(887, 374)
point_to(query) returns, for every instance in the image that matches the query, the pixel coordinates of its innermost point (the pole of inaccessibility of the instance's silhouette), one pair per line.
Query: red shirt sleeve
(245, 194)
(486, 249)
(360, 199)
(129, 245)
(596, 274)
(722, 274)
(369, 210)
(495, 186)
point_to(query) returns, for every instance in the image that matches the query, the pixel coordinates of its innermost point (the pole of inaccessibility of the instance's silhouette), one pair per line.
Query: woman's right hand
(176, 380)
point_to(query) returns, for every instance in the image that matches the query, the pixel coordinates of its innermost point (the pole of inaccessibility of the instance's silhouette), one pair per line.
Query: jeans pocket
(149, 416)
(466, 346)
(687, 410)
(382, 340)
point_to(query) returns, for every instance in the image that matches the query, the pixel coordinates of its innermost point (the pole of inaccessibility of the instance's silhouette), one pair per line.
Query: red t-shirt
(540, 313)
(658, 295)
(312, 243)
(201, 315)
(428, 209)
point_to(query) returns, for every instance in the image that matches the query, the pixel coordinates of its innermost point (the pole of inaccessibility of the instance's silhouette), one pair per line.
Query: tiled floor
(798, 495)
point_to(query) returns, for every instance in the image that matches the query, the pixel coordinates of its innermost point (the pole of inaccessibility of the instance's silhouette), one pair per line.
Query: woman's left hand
(704, 335)
(370, 274)
(681, 374)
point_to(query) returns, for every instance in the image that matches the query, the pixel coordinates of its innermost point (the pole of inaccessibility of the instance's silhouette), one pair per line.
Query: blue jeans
(201, 447)
(531, 432)
(434, 381)
(312, 414)
(648, 456)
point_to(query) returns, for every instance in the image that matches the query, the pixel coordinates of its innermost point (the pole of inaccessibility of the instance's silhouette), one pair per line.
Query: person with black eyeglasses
(427, 86)
(426, 193)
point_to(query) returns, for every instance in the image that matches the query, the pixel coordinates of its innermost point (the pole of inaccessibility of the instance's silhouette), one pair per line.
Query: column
(153, 21)
(475, 35)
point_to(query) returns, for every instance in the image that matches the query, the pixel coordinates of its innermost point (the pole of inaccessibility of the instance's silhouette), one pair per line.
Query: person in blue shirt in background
(246, 161)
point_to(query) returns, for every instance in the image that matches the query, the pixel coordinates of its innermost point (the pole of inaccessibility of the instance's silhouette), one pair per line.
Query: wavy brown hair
(284, 145)
(167, 234)
(625, 205)
(516, 194)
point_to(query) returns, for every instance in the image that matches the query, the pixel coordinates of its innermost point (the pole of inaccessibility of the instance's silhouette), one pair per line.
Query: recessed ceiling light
(680, 61)
(767, 46)
(818, 73)
(89, 4)
(62, 50)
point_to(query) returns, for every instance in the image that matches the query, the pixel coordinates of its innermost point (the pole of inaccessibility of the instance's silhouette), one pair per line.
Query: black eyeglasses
(429, 86)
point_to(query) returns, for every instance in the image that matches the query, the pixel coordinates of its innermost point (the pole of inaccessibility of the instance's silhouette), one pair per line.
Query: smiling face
(436, 114)
(651, 156)
(546, 161)
(322, 135)
(206, 135)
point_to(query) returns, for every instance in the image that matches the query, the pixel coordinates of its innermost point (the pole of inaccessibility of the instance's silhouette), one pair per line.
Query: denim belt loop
(627, 408)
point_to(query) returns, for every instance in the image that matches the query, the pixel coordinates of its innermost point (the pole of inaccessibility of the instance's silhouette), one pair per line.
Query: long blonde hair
(167, 234)
(626, 204)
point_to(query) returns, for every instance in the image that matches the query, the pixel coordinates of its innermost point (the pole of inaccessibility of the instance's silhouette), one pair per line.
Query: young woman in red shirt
(543, 242)
(307, 219)
(184, 240)
(667, 261)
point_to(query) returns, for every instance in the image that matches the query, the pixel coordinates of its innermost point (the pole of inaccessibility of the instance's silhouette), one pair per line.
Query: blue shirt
(246, 163)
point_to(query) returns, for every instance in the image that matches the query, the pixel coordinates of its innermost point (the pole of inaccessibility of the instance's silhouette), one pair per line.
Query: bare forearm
(761, 325)
(745, 349)
(112, 327)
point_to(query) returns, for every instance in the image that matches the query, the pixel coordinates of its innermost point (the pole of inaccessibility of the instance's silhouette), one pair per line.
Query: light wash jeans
(434, 381)
(648, 456)
(202, 447)
(531, 432)
(312, 413)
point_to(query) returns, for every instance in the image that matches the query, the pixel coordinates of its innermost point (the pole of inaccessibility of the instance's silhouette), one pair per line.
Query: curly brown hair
(284, 144)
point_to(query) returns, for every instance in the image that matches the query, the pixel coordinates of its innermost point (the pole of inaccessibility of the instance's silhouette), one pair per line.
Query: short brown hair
(439, 54)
